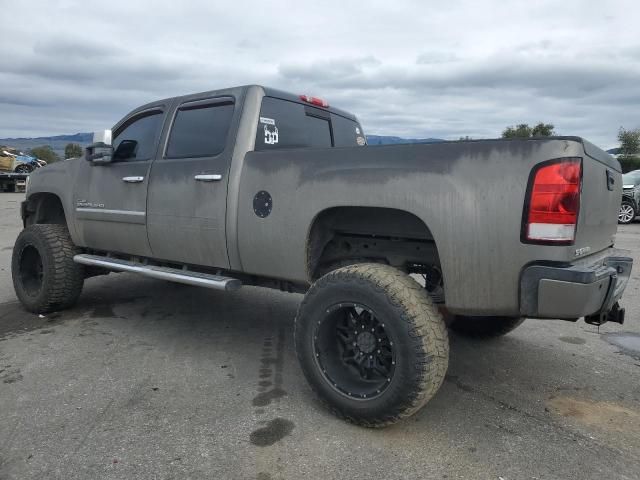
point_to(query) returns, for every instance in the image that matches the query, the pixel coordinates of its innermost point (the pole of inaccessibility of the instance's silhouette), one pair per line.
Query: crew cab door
(110, 199)
(188, 188)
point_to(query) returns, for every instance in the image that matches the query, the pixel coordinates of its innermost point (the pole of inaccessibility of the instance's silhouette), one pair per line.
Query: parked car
(24, 163)
(253, 186)
(629, 207)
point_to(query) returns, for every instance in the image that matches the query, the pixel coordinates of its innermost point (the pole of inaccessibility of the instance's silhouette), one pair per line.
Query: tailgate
(600, 201)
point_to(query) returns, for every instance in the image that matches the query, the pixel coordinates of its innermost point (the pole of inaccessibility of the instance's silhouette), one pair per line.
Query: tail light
(318, 102)
(553, 202)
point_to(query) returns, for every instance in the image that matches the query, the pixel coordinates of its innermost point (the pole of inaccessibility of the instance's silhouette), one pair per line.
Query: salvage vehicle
(630, 197)
(253, 186)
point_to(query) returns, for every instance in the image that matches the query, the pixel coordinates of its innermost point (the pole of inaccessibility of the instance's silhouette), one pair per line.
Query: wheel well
(396, 237)
(44, 208)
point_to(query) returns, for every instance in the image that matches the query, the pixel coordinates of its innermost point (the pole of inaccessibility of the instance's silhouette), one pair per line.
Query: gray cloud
(467, 68)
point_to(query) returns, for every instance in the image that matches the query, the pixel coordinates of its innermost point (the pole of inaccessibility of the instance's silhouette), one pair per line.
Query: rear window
(200, 131)
(346, 132)
(286, 124)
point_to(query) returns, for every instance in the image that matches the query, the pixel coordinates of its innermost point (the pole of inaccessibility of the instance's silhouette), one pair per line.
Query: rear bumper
(589, 287)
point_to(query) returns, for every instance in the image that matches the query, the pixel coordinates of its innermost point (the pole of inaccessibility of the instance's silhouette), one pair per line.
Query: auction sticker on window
(267, 121)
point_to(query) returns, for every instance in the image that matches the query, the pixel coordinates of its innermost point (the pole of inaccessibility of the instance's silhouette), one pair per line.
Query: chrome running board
(217, 282)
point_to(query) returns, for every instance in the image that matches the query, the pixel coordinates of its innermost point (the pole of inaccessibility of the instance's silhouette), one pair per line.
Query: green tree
(629, 152)
(45, 152)
(629, 142)
(543, 130)
(72, 150)
(523, 130)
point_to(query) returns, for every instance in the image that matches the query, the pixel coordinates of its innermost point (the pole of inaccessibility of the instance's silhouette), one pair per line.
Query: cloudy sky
(409, 68)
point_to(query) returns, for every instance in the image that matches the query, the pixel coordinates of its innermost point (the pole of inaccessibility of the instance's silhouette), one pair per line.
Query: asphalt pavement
(151, 380)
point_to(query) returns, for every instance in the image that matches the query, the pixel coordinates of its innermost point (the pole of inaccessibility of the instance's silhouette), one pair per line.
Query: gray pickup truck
(389, 244)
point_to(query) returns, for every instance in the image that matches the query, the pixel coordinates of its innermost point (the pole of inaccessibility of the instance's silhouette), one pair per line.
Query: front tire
(45, 277)
(484, 327)
(627, 213)
(371, 344)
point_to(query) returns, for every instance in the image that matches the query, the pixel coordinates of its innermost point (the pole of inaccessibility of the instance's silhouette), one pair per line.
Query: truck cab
(164, 192)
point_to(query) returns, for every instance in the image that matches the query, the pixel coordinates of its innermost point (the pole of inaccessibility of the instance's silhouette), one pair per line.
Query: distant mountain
(58, 142)
(75, 138)
(387, 140)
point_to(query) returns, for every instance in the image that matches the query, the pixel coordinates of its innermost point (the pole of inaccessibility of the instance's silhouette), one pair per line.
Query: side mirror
(100, 151)
(126, 150)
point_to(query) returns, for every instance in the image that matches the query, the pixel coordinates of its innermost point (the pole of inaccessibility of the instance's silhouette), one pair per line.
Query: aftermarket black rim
(354, 351)
(31, 270)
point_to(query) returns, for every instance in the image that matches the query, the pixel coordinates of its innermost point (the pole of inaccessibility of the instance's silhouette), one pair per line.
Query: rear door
(188, 187)
(110, 201)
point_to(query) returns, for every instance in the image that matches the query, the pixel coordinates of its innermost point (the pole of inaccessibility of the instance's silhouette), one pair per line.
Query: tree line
(46, 153)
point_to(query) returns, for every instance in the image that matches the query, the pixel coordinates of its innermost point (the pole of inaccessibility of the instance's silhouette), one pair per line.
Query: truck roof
(237, 92)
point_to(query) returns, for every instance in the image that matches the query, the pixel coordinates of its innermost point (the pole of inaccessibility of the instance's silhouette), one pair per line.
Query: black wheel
(484, 327)
(24, 168)
(45, 277)
(627, 213)
(371, 343)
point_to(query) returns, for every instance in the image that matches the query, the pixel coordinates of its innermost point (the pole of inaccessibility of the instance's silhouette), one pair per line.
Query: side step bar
(164, 273)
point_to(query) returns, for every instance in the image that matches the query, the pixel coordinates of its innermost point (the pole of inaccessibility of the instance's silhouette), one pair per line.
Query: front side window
(200, 131)
(137, 140)
(286, 124)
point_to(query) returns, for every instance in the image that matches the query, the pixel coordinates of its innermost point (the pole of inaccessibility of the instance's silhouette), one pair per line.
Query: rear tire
(371, 344)
(45, 277)
(627, 213)
(24, 168)
(484, 327)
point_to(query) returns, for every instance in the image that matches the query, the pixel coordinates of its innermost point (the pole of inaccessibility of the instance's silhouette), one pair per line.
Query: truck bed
(470, 195)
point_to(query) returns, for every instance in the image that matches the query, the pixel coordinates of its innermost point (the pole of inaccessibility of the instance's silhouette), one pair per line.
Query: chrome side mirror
(101, 150)
(102, 136)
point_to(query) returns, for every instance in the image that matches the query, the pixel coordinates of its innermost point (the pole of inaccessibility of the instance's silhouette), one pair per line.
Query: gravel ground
(150, 380)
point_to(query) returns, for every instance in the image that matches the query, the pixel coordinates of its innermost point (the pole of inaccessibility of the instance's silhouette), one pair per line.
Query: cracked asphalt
(151, 380)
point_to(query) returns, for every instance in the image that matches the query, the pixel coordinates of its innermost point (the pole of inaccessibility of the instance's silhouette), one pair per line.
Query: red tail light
(318, 102)
(553, 202)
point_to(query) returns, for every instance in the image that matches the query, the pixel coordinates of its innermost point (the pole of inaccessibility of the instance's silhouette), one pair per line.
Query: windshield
(631, 178)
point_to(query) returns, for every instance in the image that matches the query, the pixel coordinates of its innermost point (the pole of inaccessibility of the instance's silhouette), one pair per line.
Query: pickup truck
(390, 245)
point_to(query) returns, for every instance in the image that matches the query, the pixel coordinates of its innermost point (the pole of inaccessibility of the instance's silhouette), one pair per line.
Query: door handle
(132, 179)
(208, 178)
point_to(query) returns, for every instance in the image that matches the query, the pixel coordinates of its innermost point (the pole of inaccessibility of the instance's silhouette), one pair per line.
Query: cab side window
(138, 139)
(200, 130)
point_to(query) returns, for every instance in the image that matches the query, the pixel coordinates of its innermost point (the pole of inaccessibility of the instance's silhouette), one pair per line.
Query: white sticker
(361, 141)
(267, 121)
(270, 135)
(357, 130)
